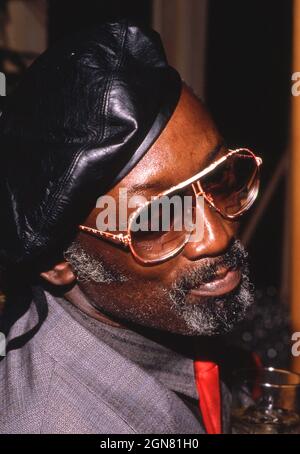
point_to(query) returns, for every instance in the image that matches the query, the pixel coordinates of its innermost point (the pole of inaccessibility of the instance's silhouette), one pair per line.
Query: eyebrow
(157, 185)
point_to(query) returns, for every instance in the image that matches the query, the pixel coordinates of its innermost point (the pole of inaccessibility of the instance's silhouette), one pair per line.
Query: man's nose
(218, 234)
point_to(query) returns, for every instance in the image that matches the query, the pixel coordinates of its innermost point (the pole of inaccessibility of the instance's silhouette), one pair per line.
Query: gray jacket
(78, 376)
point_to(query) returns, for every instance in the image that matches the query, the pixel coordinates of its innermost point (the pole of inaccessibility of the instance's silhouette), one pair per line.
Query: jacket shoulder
(72, 407)
(38, 395)
(24, 389)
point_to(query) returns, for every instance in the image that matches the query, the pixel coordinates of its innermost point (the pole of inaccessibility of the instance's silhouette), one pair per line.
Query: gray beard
(214, 315)
(90, 269)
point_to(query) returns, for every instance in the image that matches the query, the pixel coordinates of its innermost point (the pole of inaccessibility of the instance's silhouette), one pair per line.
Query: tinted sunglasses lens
(233, 185)
(158, 230)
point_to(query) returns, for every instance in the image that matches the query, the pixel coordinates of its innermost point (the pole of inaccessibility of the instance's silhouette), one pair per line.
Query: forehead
(182, 149)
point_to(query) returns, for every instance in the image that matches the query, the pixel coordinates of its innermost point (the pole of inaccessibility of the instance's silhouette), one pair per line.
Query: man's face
(184, 294)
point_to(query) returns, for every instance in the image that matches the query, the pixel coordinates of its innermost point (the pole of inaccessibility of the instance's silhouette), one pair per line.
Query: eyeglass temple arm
(119, 239)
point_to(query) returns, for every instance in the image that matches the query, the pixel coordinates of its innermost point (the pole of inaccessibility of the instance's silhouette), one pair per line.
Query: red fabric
(257, 361)
(258, 365)
(208, 387)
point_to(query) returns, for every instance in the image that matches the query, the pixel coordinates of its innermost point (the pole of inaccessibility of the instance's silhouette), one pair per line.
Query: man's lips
(224, 282)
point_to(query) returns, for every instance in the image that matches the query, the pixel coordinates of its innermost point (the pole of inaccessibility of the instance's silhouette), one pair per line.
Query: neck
(76, 297)
(181, 344)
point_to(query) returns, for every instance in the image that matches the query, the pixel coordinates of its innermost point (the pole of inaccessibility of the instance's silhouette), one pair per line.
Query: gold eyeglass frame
(124, 240)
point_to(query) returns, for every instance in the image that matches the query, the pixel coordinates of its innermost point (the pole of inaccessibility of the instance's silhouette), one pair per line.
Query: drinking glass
(266, 401)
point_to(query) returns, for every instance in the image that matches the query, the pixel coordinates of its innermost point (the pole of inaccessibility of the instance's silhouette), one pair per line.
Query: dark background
(248, 91)
(65, 17)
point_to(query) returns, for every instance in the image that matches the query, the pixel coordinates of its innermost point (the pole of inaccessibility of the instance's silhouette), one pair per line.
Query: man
(120, 334)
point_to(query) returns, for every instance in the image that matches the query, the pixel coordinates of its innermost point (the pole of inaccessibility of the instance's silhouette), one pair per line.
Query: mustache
(236, 257)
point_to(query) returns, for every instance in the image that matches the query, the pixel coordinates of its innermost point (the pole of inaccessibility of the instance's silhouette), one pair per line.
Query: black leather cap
(85, 113)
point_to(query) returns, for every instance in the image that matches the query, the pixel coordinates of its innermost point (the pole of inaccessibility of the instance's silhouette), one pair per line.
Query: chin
(218, 315)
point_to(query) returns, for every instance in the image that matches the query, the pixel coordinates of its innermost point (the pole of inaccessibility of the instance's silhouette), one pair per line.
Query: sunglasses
(229, 186)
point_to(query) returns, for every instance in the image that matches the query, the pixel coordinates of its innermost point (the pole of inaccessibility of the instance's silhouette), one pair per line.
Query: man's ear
(60, 274)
